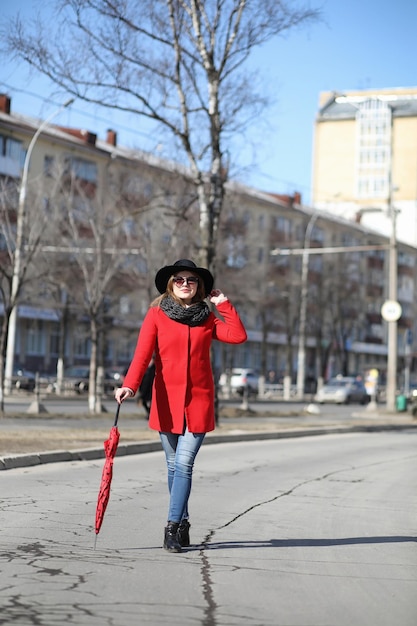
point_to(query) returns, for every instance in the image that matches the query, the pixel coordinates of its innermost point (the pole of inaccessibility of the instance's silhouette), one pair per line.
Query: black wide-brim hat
(164, 274)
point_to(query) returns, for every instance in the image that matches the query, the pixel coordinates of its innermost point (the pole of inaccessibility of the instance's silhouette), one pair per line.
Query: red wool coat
(183, 385)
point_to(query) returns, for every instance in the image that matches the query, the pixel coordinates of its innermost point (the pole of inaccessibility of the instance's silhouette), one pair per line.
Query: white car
(343, 390)
(240, 379)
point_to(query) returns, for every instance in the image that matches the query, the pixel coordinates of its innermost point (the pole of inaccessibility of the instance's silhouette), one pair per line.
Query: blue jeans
(180, 452)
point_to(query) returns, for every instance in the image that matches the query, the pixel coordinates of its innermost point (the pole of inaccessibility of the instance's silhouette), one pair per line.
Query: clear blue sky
(360, 44)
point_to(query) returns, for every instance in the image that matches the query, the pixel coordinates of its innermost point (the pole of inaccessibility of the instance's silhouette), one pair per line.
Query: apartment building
(365, 159)
(115, 198)
(85, 186)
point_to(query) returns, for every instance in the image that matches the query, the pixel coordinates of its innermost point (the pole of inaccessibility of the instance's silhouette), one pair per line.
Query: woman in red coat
(178, 329)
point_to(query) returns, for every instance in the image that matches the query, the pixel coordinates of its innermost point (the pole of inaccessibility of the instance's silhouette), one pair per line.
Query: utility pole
(392, 323)
(301, 359)
(393, 303)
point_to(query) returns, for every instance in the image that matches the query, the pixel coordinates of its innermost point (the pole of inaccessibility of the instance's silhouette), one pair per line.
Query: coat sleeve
(145, 347)
(230, 329)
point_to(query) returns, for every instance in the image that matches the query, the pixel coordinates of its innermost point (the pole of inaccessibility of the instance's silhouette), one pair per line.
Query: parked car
(23, 379)
(240, 379)
(343, 390)
(77, 378)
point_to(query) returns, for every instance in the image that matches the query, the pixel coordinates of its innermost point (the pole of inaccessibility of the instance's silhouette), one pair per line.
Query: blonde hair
(169, 293)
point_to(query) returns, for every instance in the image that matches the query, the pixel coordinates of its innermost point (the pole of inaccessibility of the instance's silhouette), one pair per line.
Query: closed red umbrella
(110, 447)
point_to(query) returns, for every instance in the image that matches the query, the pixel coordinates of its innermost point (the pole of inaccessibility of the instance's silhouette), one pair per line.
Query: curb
(90, 454)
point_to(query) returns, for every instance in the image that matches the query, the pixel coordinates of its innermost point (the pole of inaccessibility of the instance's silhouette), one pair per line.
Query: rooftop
(337, 105)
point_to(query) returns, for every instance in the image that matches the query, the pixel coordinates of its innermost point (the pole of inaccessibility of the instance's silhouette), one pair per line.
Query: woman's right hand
(122, 393)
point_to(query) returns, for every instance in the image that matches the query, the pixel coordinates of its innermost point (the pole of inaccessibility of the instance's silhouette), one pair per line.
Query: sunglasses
(182, 280)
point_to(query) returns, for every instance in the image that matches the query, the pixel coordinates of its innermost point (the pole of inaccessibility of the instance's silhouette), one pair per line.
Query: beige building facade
(365, 159)
(156, 212)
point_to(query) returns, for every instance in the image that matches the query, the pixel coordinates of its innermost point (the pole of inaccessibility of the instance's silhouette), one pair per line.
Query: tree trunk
(92, 383)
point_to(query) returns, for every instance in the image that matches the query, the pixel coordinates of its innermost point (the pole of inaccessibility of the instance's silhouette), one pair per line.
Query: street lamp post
(17, 264)
(392, 324)
(301, 358)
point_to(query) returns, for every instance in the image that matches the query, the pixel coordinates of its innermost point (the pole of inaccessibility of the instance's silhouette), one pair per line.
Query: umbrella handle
(116, 419)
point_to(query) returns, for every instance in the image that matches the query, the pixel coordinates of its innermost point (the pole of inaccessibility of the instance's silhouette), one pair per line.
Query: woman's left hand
(217, 297)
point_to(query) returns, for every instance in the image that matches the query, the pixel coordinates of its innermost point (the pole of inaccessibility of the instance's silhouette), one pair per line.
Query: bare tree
(179, 63)
(105, 244)
(334, 311)
(94, 249)
(30, 233)
(344, 307)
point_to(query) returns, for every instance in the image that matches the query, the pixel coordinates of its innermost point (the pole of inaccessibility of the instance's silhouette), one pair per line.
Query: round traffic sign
(391, 310)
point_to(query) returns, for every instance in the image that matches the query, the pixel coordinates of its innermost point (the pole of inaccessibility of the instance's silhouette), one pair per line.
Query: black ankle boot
(183, 534)
(170, 538)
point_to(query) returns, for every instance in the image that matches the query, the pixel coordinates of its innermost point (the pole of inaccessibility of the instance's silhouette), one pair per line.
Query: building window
(83, 169)
(48, 165)
(317, 235)
(316, 263)
(123, 349)
(54, 339)
(81, 346)
(35, 339)
(124, 305)
(12, 156)
(284, 225)
(406, 259)
(376, 277)
(13, 149)
(373, 121)
(129, 227)
(236, 251)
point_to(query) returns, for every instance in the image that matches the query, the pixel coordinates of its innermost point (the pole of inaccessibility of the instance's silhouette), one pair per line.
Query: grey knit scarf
(194, 315)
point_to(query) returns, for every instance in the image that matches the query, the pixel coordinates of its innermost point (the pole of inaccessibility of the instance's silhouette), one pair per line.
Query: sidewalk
(29, 440)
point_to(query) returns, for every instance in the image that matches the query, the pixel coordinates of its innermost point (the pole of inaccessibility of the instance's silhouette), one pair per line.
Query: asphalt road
(318, 531)
(78, 405)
